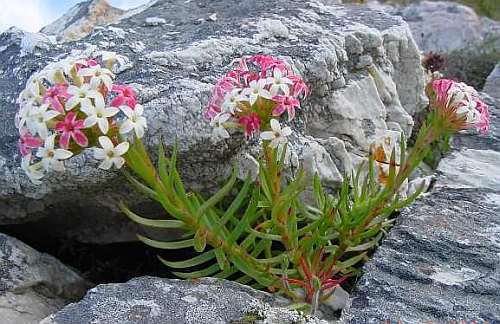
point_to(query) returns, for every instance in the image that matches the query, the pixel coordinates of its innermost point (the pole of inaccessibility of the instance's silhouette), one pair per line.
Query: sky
(32, 15)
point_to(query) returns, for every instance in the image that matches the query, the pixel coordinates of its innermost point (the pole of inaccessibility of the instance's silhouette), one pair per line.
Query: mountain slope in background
(81, 19)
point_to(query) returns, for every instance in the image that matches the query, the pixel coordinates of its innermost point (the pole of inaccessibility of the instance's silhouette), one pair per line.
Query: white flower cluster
(74, 104)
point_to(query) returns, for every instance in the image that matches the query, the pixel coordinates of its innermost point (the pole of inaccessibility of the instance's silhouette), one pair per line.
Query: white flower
(34, 86)
(51, 158)
(33, 171)
(135, 120)
(28, 97)
(98, 75)
(218, 123)
(277, 135)
(98, 113)
(81, 95)
(231, 99)
(36, 118)
(110, 154)
(279, 82)
(108, 58)
(255, 90)
(55, 70)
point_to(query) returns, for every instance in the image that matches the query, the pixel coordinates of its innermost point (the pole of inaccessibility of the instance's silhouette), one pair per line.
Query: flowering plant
(73, 105)
(457, 106)
(260, 89)
(266, 234)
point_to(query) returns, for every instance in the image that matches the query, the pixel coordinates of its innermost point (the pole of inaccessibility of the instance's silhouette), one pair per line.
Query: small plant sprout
(68, 107)
(260, 232)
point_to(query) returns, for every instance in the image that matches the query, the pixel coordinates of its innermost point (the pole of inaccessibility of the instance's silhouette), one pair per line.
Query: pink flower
(268, 63)
(288, 103)
(483, 125)
(251, 123)
(211, 111)
(441, 88)
(27, 142)
(299, 87)
(70, 128)
(86, 64)
(223, 86)
(126, 96)
(459, 104)
(54, 95)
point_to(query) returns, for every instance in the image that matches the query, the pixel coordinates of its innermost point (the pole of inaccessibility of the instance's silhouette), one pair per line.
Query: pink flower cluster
(460, 104)
(259, 88)
(71, 105)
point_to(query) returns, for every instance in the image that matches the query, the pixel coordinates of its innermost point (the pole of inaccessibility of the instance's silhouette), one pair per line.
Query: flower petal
(267, 135)
(126, 127)
(62, 154)
(110, 111)
(99, 153)
(127, 111)
(106, 143)
(64, 140)
(106, 164)
(99, 101)
(80, 138)
(90, 121)
(118, 161)
(139, 131)
(286, 131)
(275, 125)
(121, 148)
(103, 125)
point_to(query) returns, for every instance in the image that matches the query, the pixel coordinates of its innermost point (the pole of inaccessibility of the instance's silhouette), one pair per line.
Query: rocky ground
(439, 263)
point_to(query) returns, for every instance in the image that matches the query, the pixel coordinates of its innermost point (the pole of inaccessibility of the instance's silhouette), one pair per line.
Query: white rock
(338, 300)
(155, 21)
(470, 168)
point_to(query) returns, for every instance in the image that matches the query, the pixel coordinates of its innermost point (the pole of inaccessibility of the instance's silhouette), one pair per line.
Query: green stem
(138, 160)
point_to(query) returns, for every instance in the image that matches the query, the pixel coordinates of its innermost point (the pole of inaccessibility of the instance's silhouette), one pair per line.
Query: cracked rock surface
(33, 285)
(362, 65)
(168, 301)
(441, 261)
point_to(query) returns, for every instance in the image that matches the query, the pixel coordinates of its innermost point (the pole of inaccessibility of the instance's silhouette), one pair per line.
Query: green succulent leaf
(166, 245)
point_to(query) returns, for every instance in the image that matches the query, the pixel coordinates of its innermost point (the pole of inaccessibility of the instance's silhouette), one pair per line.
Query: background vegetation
(473, 64)
(488, 8)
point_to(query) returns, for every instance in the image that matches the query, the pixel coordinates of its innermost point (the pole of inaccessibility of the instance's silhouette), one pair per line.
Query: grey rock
(155, 21)
(492, 85)
(33, 285)
(440, 263)
(174, 72)
(338, 300)
(432, 23)
(470, 168)
(155, 300)
(441, 260)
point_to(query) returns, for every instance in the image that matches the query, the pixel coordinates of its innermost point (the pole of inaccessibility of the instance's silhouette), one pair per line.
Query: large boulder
(492, 85)
(362, 65)
(33, 285)
(433, 22)
(163, 301)
(440, 262)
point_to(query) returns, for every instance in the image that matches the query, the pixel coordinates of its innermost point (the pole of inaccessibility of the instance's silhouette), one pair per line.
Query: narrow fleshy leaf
(198, 274)
(166, 245)
(159, 223)
(197, 260)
